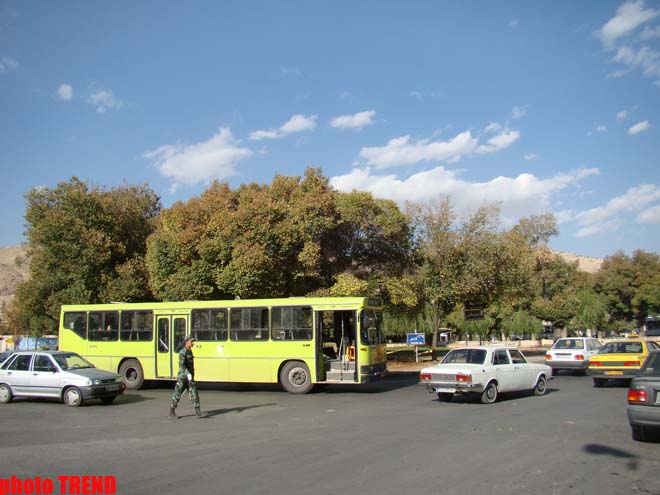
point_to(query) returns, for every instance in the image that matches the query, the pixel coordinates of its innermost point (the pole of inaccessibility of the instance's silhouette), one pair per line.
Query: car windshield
(569, 344)
(652, 365)
(465, 356)
(72, 361)
(621, 348)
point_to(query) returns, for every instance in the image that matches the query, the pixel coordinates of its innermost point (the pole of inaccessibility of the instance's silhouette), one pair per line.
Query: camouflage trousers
(182, 383)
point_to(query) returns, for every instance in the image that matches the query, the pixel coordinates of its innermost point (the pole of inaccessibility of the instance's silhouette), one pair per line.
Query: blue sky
(540, 106)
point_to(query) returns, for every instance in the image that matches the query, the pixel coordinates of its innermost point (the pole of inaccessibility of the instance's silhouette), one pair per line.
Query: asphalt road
(391, 437)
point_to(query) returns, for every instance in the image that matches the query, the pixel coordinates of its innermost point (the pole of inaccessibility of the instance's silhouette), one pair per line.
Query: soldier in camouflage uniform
(186, 378)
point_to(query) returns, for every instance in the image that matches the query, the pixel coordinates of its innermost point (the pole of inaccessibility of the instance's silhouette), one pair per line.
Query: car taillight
(548, 357)
(636, 395)
(425, 376)
(595, 363)
(631, 363)
(460, 377)
(579, 357)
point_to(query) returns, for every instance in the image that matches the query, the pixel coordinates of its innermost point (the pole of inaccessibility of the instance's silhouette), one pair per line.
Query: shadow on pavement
(598, 449)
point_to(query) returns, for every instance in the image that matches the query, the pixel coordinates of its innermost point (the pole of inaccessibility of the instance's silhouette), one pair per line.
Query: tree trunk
(434, 342)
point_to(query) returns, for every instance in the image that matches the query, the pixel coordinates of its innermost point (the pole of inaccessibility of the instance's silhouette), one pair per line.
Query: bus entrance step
(338, 365)
(338, 376)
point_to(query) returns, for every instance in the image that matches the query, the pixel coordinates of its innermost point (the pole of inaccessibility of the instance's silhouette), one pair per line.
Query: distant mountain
(585, 263)
(14, 269)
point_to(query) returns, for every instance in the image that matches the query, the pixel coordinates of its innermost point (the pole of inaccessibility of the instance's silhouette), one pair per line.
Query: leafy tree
(629, 286)
(520, 323)
(468, 261)
(86, 245)
(537, 230)
(591, 312)
(559, 310)
(295, 236)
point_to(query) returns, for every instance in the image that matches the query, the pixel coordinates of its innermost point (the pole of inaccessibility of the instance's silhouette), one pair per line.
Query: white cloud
(600, 127)
(519, 196)
(622, 115)
(639, 127)
(65, 92)
(104, 100)
(415, 94)
(650, 33)
(7, 64)
(492, 127)
(609, 226)
(519, 112)
(647, 59)
(404, 150)
(608, 217)
(356, 121)
(650, 216)
(530, 156)
(297, 123)
(499, 142)
(191, 164)
(628, 17)
(290, 72)
(513, 23)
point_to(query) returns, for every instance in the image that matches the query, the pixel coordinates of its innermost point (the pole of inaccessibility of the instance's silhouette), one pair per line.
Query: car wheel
(73, 397)
(638, 433)
(599, 382)
(489, 394)
(5, 394)
(555, 372)
(108, 400)
(132, 374)
(444, 396)
(540, 387)
(295, 378)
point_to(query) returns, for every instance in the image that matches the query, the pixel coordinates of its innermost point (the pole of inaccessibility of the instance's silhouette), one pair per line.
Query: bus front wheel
(132, 374)
(295, 378)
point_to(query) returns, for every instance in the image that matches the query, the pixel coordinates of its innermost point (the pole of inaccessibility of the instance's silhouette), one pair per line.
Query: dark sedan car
(644, 399)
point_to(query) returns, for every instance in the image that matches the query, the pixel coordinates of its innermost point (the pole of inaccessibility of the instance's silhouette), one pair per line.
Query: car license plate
(445, 390)
(614, 372)
(110, 388)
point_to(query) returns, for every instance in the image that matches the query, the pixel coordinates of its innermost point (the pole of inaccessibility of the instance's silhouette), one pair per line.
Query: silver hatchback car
(58, 374)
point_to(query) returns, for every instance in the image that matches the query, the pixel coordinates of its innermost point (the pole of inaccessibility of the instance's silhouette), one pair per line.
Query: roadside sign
(416, 339)
(473, 314)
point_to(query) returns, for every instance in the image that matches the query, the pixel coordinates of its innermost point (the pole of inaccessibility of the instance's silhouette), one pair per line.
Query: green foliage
(591, 311)
(537, 229)
(521, 323)
(86, 245)
(293, 237)
(629, 285)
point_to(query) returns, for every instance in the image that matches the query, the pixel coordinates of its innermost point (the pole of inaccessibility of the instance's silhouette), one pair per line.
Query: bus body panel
(226, 358)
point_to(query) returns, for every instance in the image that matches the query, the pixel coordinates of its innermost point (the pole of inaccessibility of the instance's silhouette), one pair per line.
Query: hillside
(585, 263)
(13, 271)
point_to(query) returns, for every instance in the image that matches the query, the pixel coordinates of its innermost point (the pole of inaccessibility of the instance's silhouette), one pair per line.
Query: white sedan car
(484, 370)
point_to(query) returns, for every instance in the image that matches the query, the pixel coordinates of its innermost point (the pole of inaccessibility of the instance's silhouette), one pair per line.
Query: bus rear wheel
(295, 378)
(132, 374)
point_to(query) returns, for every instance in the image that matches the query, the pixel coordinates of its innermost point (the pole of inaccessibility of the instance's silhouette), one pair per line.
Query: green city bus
(296, 342)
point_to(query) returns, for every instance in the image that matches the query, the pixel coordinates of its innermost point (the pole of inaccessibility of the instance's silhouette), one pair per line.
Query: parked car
(63, 375)
(644, 399)
(619, 360)
(486, 371)
(572, 353)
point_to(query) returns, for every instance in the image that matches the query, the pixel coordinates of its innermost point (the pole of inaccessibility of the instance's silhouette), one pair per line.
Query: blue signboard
(416, 339)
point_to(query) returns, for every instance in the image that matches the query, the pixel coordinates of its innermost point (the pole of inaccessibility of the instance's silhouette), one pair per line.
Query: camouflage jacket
(186, 363)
